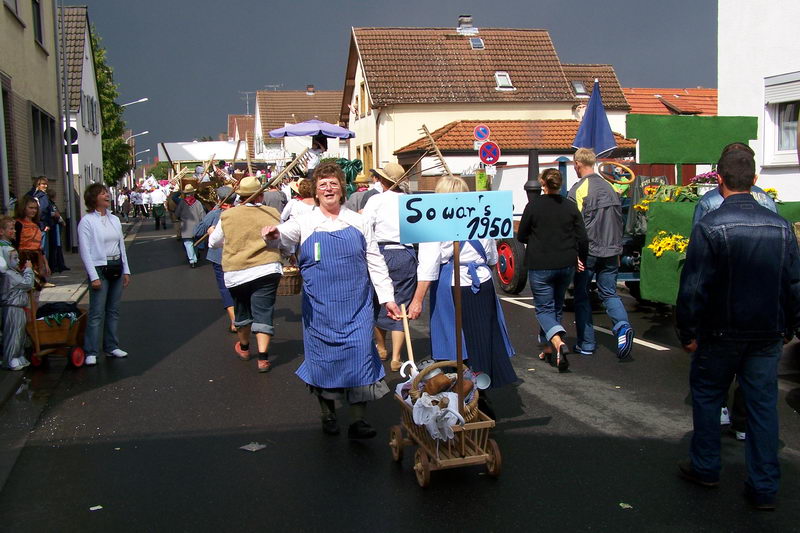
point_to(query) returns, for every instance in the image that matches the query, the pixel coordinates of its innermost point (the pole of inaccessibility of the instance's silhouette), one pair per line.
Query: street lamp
(139, 101)
(145, 132)
(142, 152)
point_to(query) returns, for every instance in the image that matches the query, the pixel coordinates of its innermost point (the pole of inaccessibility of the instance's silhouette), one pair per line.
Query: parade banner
(456, 216)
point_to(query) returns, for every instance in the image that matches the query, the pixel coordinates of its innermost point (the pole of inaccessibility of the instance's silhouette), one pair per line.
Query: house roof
(438, 65)
(277, 108)
(613, 95)
(696, 101)
(510, 135)
(244, 122)
(76, 24)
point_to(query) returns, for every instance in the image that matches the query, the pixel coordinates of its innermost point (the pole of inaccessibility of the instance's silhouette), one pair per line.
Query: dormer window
(580, 89)
(476, 43)
(503, 81)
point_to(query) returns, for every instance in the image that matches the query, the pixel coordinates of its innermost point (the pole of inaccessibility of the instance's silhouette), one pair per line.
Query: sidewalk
(70, 286)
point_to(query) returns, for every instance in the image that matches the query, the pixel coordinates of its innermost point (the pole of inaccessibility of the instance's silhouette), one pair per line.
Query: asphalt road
(155, 438)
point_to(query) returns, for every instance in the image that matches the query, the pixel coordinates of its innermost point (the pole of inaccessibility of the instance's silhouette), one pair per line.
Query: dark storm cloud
(193, 57)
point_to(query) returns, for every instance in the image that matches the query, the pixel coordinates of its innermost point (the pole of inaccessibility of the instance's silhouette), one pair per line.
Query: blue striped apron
(338, 314)
(443, 315)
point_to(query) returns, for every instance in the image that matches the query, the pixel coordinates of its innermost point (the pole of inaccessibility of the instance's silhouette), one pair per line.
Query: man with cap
(251, 270)
(190, 212)
(382, 214)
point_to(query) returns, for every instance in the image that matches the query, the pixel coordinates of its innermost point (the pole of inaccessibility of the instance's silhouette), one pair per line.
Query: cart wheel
(76, 356)
(396, 443)
(495, 462)
(36, 361)
(422, 468)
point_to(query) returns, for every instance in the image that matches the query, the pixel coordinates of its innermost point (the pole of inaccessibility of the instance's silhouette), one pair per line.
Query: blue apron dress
(338, 316)
(485, 340)
(402, 265)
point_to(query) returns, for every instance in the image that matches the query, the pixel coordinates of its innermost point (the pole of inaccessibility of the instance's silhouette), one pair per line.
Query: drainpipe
(3, 159)
(377, 145)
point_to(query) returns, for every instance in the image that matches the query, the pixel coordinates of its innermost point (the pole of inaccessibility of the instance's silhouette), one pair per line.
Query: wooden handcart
(64, 339)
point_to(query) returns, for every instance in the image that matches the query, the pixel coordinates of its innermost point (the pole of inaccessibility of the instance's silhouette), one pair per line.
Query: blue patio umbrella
(312, 128)
(595, 131)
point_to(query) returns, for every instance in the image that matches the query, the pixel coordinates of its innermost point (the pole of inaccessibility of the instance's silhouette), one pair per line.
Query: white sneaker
(724, 417)
(116, 352)
(741, 435)
(24, 361)
(16, 364)
(90, 360)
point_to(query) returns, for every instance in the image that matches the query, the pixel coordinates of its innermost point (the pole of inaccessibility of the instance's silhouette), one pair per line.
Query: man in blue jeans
(733, 326)
(602, 214)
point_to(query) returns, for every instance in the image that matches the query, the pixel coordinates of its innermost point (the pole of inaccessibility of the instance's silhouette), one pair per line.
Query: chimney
(465, 25)
(310, 90)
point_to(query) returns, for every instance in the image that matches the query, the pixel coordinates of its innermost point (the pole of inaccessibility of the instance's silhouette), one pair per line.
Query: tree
(161, 170)
(117, 155)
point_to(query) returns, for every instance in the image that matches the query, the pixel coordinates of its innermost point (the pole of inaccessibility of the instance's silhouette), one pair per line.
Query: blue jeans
(190, 251)
(103, 308)
(605, 268)
(548, 288)
(755, 365)
(254, 303)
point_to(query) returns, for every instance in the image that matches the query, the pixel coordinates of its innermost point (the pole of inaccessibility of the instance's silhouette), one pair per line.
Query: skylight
(476, 43)
(579, 88)
(503, 81)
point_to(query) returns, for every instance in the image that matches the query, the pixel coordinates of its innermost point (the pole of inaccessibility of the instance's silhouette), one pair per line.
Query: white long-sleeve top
(382, 212)
(296, 208)
(297, 230)
(100, 237)
(434, 254)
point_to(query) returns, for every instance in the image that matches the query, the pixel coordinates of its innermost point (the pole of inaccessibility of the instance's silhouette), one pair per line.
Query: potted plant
(704, 182)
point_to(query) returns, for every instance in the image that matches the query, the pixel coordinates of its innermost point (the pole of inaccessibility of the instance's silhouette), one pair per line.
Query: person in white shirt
(102, 250)
(138, 203)
(485, 336)
(341, 265)
(147, 202)
(383, 216)
(158, 202)
(123, 204)
(303, 203)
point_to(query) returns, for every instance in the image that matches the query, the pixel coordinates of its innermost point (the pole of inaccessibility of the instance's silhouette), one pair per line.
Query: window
(503, 81)
(476, 43)
(38, 33)
(782, 99)
(43, 148)
(580, 89)
(367, 160)
(362, 100)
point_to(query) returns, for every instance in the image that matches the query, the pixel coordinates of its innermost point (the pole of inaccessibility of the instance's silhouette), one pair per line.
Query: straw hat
(248, 186)
(188, 189)
(391, 172)
(362, 178)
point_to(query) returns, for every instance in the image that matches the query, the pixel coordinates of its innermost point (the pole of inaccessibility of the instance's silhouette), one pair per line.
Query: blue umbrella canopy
(595, 131)
(312, 128)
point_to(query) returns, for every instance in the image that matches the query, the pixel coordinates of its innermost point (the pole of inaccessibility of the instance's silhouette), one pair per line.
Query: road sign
(489, 153)
(482, 132)
(456, 216)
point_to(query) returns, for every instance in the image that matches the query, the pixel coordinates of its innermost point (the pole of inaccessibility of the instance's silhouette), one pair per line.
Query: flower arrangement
(705, 179)
(665, 193)
(773, 193)
(668, 242)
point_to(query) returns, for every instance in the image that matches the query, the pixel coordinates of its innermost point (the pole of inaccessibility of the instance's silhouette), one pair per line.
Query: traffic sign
(489, 153)
(482, 132)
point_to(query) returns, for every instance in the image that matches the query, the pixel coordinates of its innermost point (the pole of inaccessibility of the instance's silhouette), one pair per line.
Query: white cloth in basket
(439, 422)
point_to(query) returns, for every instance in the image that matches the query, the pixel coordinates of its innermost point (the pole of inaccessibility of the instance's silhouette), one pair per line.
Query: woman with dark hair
(102, 249)
(29, 239)
(340, 263)
(553, 230)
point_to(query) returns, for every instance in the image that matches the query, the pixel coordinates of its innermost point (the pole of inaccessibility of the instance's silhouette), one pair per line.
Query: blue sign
(456, 216)
(482, 132)
(489, 153)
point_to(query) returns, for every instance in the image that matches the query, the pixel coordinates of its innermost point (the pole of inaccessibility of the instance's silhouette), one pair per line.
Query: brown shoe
(395, 365)
(264, 366)
(244, 355)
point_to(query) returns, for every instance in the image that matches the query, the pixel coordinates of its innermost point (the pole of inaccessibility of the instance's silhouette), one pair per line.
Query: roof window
(580, 89)
(476, 43)
(503, 81)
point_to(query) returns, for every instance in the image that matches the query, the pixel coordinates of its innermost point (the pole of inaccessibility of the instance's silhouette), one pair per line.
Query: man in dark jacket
(733, 326)
(602, 214)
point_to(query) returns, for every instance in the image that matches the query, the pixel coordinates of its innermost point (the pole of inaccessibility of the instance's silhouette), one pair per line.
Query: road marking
(517, 302)
(637, 341)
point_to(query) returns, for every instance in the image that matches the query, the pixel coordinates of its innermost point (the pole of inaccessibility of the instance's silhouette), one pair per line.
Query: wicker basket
(290, 283)
(470, 409)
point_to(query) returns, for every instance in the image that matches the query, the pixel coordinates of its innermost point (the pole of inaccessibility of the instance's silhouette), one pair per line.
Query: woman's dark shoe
(330, 426)
(562, 363)
(360, 430)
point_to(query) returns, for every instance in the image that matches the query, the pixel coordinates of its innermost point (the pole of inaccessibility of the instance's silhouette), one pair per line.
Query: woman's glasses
(331, 185)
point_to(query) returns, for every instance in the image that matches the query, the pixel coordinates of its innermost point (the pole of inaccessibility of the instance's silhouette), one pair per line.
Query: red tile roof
(277, 108)
(245, 123)
(698, 101)
(510, 135)
(76, 24)
(613, 96)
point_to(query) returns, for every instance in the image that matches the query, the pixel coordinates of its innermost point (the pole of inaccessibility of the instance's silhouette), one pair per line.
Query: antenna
(246, 98)
(273, 86)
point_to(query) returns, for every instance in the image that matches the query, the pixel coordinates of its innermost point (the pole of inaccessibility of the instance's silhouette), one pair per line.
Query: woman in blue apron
(485, 342)
(338, 259)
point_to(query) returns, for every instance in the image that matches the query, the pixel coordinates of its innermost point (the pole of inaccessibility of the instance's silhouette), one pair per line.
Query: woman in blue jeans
(102, 250)
(553, 230)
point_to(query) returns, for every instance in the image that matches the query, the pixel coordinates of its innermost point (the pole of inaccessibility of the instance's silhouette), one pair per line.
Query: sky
(194, 58)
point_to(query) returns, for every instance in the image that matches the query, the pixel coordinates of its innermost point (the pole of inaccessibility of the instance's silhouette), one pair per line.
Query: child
(7, 235)
(14, 298)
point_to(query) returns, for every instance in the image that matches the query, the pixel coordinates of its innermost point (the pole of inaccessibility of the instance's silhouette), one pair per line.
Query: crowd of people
(357, 277)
